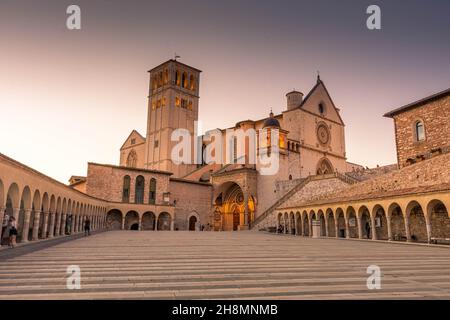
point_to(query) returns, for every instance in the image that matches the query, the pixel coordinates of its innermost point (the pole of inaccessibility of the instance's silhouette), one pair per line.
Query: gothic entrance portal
(231, 205)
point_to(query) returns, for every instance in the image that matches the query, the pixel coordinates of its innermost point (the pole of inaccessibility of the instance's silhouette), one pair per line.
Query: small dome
(271, 122)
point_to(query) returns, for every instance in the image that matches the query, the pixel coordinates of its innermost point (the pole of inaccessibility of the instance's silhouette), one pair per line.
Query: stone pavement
(223, 265)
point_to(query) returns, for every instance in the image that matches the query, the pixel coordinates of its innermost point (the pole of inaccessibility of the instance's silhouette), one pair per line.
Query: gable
(319, 96)
(135, 137)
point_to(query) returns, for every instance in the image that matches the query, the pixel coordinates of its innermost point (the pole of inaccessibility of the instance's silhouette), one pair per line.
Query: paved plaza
(222, 265)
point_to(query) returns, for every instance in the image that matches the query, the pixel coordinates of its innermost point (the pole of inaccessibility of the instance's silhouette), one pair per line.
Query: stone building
(311, 141)
(406, 204)
(314, 191)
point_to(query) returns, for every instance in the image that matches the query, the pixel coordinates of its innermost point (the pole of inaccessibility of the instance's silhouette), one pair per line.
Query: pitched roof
(417, 103)
(134, 131)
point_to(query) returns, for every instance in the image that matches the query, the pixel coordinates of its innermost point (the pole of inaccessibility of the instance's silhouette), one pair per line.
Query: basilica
(227, 196)
(314, 192)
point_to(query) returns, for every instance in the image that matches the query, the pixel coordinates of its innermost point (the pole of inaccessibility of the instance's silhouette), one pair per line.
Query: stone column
(45, 225)
(37, 219)
(58, 223)
(358, 221)
(310, 227)
(246, 210)
(407, 229)
(123, 223)
(2, 215)
(374, 228)
(63, 224)
(347, 229)
(302, 227)
(51, 232)
(140, 223)
(388, 221)
(336, 228)
(26, 225)
(156, 223)
(326, 226)
(428, 225)
(172, 223)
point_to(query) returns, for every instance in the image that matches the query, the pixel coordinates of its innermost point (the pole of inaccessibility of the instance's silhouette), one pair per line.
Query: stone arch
(114, 219)
(13, 196)
(381, 223)
(292, 223)
(2, 194)
(417, 222)
(305, 221)
(341, 223)
(331, 223)
(193, 221)
(132, 159)
(298, 223)
(164, 221)
(324, 166)
(323, 223)
(364, 223)
(280, 222)
(397, 221)
(131, 220)
(352, 222)
(439, 219)
(148, 221)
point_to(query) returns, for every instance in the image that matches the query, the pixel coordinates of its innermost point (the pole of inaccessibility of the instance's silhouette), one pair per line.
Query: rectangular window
(156, 143)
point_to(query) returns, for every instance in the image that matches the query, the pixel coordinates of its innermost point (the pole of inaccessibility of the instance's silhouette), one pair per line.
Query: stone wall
(106, 182)
(190, 199)
(436, 118)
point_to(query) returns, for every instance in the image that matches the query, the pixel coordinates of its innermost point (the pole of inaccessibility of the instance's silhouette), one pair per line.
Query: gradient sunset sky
(69, 97)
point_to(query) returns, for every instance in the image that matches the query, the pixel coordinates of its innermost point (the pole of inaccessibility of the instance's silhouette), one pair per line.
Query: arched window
(184, 80)
(166, 76)
(152, 194)
(160, 79)
(139, 190)
(126, 189)
(177, 78)
(324, 167)
(192, 82)
(420, 131)
(321, 108)
(132, 159)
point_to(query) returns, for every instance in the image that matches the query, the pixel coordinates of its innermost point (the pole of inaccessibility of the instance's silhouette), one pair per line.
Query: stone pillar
(58, 224)
(358, 221)
(156, 223)
(123, 223)
(302, 227)
(336, 228)
(172, 224)
(326, 226)
(347, 229)
(51, 232)
(310, 227)
(63, 224)
(45, 225)
(407, 229)
(37, 218)
(388, 221)
(140, 223)
(2, 215)
(80, 223)
(246, 210)
(428, 225)
(26, 225)
(374, 228)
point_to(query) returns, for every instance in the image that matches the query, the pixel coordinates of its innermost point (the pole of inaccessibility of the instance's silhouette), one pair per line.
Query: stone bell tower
(172, 104)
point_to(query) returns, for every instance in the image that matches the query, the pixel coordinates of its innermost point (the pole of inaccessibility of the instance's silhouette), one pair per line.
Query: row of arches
(42, 214)
(413, 221)
(132, 220)
(182, 79)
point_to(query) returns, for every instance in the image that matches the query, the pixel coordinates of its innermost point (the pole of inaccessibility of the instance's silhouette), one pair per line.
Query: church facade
(228, 195)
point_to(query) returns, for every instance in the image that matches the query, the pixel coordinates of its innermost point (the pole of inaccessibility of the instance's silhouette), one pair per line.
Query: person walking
(87, 227)
(12, 232)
